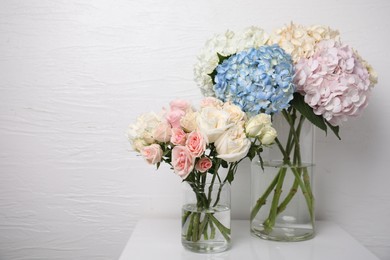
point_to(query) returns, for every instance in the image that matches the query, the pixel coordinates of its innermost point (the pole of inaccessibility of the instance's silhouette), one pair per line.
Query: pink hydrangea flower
(334, 82)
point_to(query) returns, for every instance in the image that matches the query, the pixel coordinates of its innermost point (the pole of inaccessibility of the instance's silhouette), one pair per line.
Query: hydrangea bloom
(225, 44)
(370, 69)
(257, 80)
(334, 81)
(300, 41)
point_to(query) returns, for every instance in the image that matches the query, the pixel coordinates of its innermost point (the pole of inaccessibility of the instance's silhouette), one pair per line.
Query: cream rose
(233, 145)
(188, 121)
(213, 122)
(268, 135)
(236, 114)
(254, 125)
(138, 144)
(142, 130)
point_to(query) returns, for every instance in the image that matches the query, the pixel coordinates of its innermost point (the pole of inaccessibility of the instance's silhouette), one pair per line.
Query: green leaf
(335, 129)
(299, 104)
(252, 152)
(230, 177)
(224, 164)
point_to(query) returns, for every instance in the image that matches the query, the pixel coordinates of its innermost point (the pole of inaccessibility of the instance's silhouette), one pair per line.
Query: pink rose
(179, 104)
(203, 165)
(163, 132)
(178, 137)
(182, 161)
(174, 117)
(152, 153)
(196, 143)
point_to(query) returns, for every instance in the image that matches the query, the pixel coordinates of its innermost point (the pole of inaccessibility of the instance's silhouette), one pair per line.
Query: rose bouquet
(197, 144)
(299, 74)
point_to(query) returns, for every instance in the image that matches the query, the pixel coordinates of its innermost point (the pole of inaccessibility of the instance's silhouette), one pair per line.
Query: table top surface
(160, 239)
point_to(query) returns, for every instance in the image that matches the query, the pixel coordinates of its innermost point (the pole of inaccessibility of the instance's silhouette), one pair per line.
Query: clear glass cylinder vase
(282, 200)
(206, 217)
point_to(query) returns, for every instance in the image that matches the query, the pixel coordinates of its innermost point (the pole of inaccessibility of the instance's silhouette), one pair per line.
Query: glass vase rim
(281, 164)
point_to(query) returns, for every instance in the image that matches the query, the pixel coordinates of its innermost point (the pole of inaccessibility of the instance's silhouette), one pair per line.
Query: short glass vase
(206, 217)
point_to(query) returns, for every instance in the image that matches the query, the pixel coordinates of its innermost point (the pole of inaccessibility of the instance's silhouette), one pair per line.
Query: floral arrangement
(302, 73)
(195, 144)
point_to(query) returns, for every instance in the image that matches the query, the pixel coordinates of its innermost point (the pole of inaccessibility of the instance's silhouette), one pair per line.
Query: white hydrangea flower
(300, 41)
(225, 44)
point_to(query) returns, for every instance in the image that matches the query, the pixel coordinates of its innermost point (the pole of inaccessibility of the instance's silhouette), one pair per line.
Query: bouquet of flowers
(196, 144)
(301, 73)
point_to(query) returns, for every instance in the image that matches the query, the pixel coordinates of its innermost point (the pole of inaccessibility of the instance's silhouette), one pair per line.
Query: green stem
(270, 222)
(190, 226)
(285, 155)
(195, 227)
(184, 218)
(224, 230)
(203, 226)
(212, 230)
(261, 201)
(293, 143)
(212, 181)
(289, 197)
(205, 235)
(232, 170)
(307, 196)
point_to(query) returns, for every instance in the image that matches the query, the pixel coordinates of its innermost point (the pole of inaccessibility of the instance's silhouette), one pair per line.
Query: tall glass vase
(282, 201)
(206, 217)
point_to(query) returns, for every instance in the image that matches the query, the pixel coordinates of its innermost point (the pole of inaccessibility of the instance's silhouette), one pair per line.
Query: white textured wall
(74, 73)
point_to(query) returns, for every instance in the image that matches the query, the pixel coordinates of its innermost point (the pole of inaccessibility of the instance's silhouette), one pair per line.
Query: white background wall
(74, 74)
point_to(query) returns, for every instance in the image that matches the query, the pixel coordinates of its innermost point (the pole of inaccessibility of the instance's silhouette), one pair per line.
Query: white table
(155, 239)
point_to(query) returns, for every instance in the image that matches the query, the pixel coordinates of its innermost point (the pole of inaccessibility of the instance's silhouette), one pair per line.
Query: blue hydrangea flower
(257, 80)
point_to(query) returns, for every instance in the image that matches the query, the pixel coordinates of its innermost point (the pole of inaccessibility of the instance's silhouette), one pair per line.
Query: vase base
(206, 248)
(284, 234)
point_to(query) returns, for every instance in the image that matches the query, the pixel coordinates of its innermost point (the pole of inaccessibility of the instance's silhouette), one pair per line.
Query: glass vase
(206, 217)
(282, 201)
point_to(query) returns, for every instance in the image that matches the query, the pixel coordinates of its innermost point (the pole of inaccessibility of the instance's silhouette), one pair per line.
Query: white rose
(188, 121)
(236, 115)
(233, 145)
(213, 122)
(268, 135)
(254, 125)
